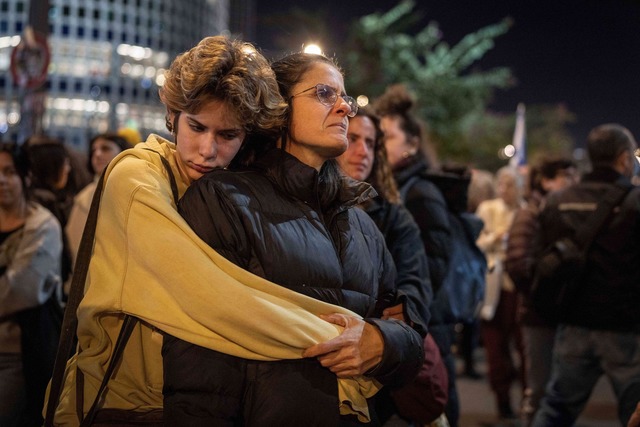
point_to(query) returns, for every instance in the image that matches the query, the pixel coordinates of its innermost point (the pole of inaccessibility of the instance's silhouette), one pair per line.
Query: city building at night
(107, 59)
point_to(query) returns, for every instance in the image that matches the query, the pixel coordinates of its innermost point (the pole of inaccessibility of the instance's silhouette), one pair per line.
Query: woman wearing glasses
(284, 212)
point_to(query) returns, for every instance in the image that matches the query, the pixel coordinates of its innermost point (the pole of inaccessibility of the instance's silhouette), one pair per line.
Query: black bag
(40, 328)
(559, 269)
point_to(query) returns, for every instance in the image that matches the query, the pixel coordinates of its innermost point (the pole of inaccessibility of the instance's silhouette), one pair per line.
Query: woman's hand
(395, 312)
(355, 351)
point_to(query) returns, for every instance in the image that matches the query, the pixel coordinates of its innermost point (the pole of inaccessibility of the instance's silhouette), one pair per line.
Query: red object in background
(30, 60)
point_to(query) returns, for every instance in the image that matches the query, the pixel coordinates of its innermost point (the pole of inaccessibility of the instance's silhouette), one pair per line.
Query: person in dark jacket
(366, 160)
(284, 212)
(599, 325)
(551, 174)
(430, 195)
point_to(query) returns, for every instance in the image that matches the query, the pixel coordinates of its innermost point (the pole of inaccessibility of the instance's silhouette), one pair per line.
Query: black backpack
(462, 291)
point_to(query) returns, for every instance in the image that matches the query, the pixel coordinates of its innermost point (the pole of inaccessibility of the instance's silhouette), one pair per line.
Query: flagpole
(519, 139)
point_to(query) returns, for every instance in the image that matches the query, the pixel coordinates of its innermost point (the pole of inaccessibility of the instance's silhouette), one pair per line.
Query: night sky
(582, 53)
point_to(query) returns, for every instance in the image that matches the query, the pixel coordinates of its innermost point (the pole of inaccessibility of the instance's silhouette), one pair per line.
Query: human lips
(200, 169)
(340, 125)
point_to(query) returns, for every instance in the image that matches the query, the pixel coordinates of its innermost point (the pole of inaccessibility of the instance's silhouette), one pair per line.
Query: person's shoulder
(232, 180)
(40, 217)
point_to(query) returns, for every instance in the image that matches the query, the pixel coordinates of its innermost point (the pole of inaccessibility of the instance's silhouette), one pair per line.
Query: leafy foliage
(452, 97)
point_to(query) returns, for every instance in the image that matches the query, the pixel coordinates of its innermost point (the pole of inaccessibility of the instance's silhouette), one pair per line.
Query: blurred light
(122, 108)
(137, 70)
(150, 72)
(509, 151)
(160, 80)
(125, 68)
(103, 107)
(9, 41)
(13, 117)
(4, 127)
(248, 50)
(313, 48)
(146, 83)
(362, 100)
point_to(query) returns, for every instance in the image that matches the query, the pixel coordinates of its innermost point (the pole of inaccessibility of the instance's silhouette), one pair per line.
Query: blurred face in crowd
(208, 139)
(564, 178)
(398, 144)
(11, 190)
(357, 161)
(102, 152)
(507, 189)
(318, 128)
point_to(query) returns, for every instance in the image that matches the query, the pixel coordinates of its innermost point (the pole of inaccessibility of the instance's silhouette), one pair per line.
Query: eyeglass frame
(349, 100)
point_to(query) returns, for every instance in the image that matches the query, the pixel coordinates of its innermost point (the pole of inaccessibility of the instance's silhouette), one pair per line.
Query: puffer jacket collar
(302, 182)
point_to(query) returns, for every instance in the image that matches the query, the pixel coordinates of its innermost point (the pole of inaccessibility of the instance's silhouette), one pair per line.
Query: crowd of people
(281, 260)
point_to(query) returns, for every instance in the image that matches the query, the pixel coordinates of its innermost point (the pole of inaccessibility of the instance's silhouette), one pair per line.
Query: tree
(452, 96)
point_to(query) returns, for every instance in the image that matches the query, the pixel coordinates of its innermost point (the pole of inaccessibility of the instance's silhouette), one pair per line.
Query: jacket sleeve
(413, 283)
(150, 263)
(403, 346)
(429, 210)
(519, 256)
(27, 281)
(403, 353)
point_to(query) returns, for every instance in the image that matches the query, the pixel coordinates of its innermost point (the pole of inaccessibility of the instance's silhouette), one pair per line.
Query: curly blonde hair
(230, 71)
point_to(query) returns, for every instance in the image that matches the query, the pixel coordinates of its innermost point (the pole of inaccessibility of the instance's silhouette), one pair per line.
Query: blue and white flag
(519, 139)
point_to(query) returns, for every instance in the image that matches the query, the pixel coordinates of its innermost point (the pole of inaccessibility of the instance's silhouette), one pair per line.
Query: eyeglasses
(328, 96)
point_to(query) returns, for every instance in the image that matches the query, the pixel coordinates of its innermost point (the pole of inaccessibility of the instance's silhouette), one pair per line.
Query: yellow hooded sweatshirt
(147, 262)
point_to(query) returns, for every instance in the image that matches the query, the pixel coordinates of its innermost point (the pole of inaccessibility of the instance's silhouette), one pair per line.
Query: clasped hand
(355, 351)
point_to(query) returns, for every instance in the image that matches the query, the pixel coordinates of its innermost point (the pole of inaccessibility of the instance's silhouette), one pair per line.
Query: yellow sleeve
(171, 279)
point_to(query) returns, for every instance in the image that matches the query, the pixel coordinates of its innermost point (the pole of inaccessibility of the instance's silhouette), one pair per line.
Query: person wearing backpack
(599, 324)
(538, 332)
(421, 185)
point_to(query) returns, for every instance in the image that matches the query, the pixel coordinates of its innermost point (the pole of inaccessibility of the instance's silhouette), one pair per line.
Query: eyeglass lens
(328, 96)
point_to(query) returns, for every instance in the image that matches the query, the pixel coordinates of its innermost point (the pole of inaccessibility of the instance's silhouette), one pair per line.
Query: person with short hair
(148, 263)
(599, 327)
(550, 174)
(284, 211)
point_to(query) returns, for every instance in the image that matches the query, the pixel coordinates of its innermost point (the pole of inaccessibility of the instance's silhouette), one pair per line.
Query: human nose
(360, 147)
(342, 107)
(209, 148)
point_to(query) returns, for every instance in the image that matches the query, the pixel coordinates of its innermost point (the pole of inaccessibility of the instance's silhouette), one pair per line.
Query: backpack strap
(70, 321)
(76, 292)
(584, 236)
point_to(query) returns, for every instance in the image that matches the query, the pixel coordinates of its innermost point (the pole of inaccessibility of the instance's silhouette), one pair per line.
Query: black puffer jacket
(402, 236)
(269, 221)
(609, 290)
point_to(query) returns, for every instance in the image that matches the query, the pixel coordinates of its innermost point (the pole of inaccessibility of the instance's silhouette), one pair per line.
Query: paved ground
(478, 406)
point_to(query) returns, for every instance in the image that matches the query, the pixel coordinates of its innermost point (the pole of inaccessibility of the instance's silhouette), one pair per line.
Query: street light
(312, 48)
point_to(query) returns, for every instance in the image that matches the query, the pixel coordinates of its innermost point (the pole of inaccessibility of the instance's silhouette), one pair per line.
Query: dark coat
(402, 236)
(270, 221)
(609, 290)
(520, 259)
(429, 209)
